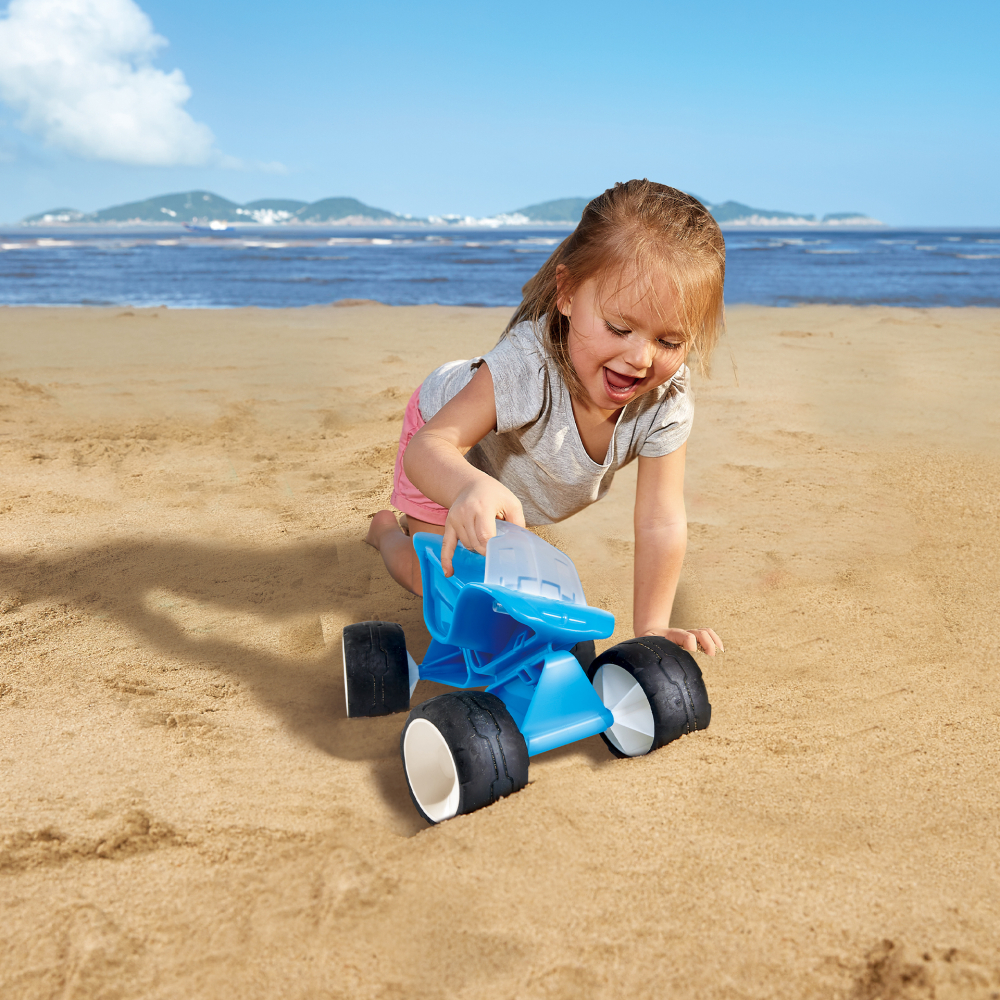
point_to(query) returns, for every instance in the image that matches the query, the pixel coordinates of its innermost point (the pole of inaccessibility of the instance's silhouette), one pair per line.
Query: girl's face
(620, 344)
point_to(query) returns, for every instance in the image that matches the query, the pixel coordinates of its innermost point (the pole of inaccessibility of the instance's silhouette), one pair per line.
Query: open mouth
(618, 386)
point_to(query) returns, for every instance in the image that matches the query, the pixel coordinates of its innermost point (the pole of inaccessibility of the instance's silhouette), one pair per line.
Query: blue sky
(892, 109)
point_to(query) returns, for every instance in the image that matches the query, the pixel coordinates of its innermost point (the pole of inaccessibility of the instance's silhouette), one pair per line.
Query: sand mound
(186, 811)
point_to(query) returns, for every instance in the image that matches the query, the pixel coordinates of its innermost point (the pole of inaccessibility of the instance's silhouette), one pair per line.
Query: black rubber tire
(376, 671)
(490, 754)
(672, 682)
(585, 653)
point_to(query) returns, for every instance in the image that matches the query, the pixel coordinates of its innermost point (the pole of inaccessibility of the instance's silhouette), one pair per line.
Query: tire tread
(376, 671)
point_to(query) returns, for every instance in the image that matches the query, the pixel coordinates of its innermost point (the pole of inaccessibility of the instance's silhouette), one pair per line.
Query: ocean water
(297, 267)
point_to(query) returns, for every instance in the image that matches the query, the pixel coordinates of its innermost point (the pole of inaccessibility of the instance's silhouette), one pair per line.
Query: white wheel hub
(633, 728)
(430, 770)
(343, 656)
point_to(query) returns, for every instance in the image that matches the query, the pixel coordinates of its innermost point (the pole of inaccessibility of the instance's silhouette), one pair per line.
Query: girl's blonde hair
(633, 234)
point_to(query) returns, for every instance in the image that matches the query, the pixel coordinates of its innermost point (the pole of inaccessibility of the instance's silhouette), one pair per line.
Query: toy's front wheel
(461, 752)
(655, 691)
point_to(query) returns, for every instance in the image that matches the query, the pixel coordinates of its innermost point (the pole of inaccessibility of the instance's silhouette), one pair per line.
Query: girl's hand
(694, 639)
(472, 517)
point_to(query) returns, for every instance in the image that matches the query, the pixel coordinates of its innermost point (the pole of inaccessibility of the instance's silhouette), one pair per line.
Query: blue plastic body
(514, 644)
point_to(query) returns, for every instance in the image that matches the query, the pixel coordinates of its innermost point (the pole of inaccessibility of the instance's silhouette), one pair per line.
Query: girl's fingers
(716, 639)
(473, 536)
(474, 533)
(486, 528)
(689, 642)
(705, 642)
(448, 548)
(708, 640)
(694, 639)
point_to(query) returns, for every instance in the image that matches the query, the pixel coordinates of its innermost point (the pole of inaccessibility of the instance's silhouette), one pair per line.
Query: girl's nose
(639, 352)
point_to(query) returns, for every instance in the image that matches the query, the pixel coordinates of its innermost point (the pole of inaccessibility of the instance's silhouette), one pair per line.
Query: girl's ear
(563, 301)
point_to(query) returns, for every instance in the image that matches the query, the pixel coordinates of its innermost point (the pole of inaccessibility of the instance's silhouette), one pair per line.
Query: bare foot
(382, 522)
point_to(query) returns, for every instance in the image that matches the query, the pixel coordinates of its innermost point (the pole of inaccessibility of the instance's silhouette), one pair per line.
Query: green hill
(734, 211)
(570, 210)
(559, 210)
(203, 206)
(189, 206)
(338, 209)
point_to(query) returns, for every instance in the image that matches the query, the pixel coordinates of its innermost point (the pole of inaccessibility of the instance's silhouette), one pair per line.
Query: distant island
(202, 208)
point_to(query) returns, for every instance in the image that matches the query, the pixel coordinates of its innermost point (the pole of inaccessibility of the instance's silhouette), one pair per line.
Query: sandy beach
(185, 811)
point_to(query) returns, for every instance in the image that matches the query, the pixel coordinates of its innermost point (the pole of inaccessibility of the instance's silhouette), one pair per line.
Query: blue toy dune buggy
(515, 622)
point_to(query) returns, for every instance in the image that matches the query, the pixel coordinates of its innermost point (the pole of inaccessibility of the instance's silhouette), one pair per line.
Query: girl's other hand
(694, 639)
(472, 518)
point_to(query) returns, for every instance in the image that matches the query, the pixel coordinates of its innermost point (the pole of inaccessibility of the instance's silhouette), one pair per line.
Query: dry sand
(186, 813)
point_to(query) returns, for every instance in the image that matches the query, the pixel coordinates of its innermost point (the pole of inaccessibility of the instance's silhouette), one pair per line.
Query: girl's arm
(660, 541)
(434, 462)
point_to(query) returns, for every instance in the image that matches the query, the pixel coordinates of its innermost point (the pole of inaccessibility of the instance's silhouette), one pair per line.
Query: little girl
(589, 374)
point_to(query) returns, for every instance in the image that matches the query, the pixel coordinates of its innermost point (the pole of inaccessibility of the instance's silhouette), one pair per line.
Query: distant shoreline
(206, 209)
(481, 224)
(478, 224)
(288, 229)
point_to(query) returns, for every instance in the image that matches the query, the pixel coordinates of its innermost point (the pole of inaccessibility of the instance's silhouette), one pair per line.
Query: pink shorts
(405, 496)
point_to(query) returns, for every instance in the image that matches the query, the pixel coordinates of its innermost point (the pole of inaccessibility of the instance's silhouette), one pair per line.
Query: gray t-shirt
(536, 450)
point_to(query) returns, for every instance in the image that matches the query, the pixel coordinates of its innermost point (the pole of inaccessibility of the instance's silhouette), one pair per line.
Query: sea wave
(272, 268)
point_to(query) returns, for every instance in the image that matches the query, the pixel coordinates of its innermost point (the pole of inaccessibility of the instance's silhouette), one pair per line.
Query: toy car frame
(516, 623)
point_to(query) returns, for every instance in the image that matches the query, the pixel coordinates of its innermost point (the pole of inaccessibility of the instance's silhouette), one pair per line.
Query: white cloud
(79, 73)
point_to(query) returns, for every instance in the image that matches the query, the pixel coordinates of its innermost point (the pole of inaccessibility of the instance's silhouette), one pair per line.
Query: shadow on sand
(284, 589)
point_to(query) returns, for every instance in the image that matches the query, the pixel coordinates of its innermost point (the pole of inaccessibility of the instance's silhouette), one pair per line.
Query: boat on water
(215, 226)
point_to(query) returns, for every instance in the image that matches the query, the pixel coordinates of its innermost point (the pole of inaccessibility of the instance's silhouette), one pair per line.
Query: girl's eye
(667, 345)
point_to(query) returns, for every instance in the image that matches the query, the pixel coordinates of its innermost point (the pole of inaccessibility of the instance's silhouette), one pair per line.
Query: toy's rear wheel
(655, 691)
(461, 752)
(376, 671)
